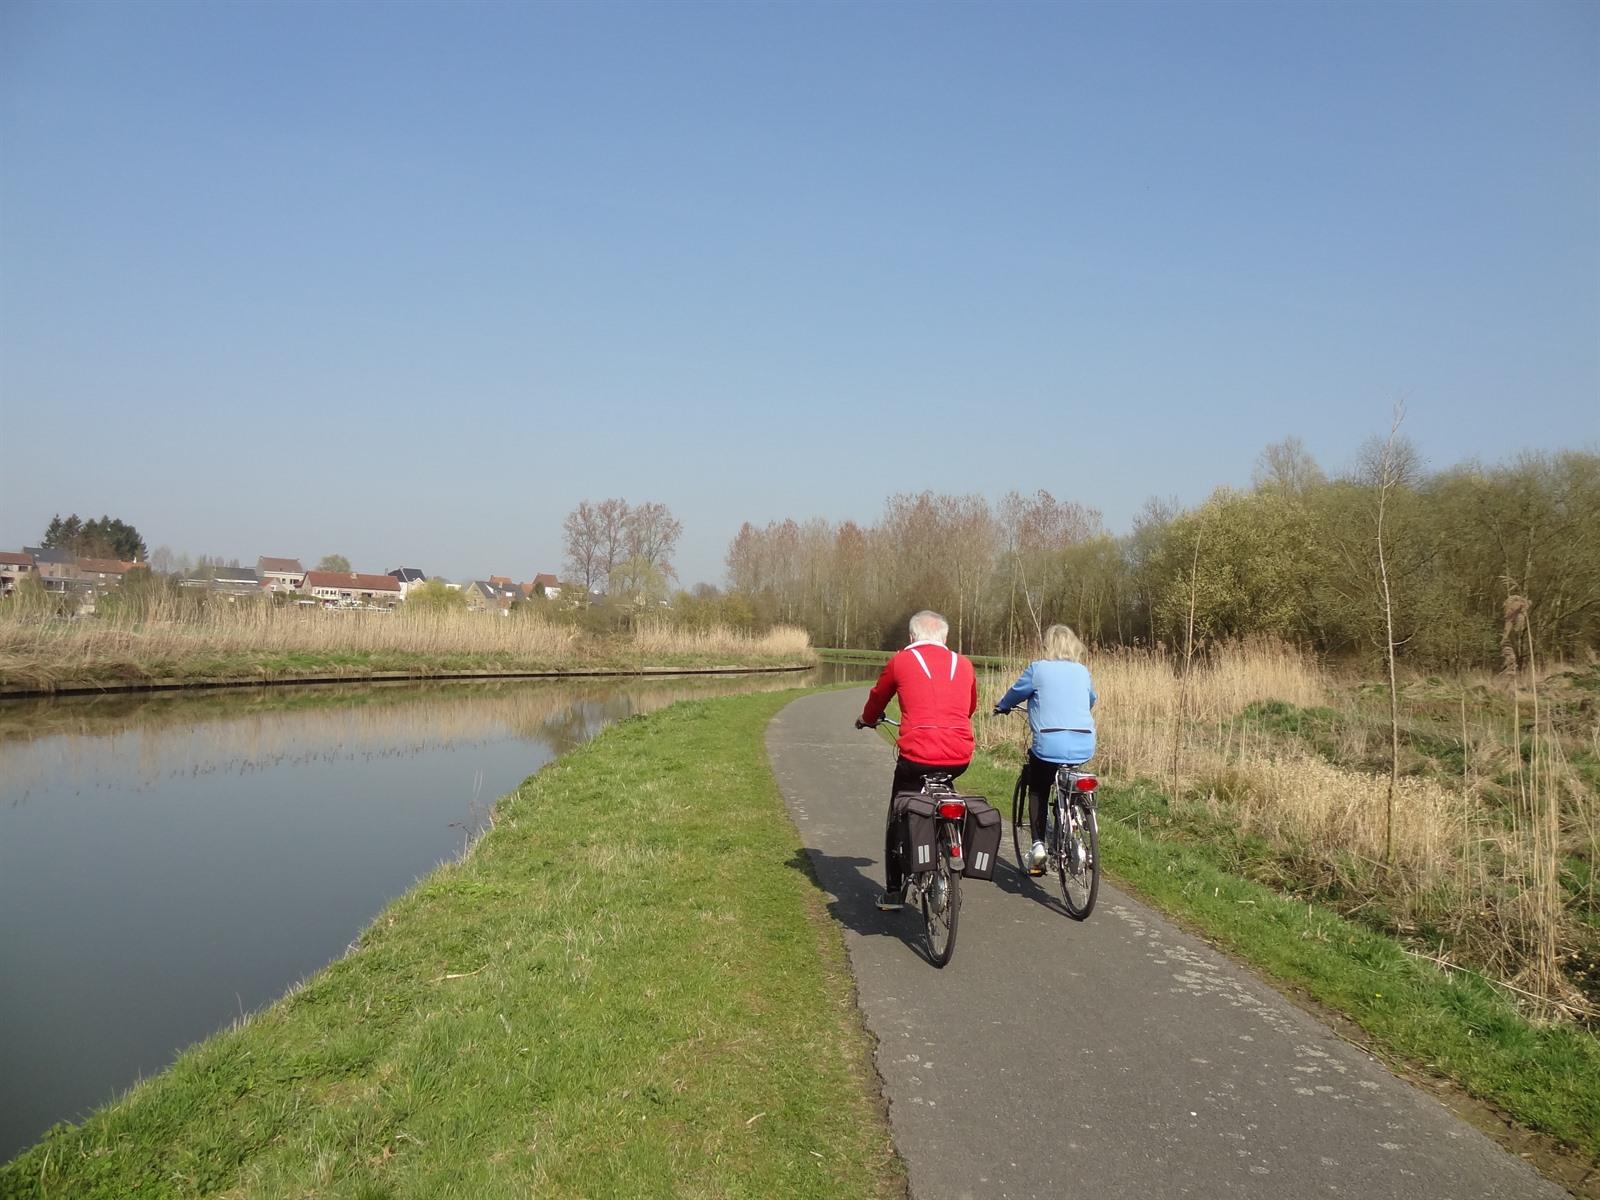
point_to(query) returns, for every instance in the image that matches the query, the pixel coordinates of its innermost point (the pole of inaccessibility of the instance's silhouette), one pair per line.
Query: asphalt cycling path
(1116, 1057)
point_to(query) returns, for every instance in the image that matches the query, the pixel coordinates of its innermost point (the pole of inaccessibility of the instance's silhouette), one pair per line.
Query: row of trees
(101, 537)
(1464, 552)
(620, 548)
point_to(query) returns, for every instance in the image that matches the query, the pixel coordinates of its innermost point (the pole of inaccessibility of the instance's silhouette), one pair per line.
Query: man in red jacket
(938, 691)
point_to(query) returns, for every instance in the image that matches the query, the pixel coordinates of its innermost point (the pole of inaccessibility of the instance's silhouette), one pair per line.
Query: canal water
(169, 863)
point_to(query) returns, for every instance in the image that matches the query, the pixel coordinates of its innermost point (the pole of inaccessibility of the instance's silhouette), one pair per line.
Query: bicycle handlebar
(875, 724)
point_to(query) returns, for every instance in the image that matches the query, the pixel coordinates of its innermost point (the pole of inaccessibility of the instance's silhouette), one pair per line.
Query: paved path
(1116, 1057)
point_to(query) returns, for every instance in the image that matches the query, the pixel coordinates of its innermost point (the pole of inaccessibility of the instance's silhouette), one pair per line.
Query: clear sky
(406, 281)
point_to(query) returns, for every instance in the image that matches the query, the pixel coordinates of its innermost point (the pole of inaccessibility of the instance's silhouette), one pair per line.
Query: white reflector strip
(982, 863)
(922, 662)
(924, 853)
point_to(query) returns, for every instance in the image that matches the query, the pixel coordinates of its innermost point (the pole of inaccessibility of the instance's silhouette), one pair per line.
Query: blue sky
(407, 281)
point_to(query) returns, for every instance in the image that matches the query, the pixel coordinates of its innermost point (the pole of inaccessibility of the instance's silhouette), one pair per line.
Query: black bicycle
(1072, 836)
(937, 892)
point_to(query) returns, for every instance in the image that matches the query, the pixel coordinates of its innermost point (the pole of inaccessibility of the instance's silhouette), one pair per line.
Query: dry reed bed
(43, 652)
(1463, 864)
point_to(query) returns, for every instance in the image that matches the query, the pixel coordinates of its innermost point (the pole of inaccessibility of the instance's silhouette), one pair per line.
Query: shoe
(892, 901)
(1036, 859)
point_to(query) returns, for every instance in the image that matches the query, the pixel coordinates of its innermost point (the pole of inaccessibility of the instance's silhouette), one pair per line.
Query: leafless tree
(651, 532)
(1386, 466)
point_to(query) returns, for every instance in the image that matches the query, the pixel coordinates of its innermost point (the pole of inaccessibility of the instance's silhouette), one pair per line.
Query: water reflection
(169, 862)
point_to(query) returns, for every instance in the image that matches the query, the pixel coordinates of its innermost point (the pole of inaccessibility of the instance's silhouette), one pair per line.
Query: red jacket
(938, 692)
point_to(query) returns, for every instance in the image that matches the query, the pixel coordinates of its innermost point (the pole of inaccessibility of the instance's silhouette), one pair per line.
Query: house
(57, 568)
(547, 586)
(408, 577)
(14, 567)
(350, 588)
(102, 573)
(485, 595)
(236, 581)
(280, 574)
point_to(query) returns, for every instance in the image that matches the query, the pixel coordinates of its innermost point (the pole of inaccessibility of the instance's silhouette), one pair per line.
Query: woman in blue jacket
(1059, 695)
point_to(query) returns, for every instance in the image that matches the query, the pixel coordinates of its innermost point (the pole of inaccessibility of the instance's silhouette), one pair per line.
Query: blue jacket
(1059, 695)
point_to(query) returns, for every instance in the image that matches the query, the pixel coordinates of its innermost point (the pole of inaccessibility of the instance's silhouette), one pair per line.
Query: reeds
(172, 635)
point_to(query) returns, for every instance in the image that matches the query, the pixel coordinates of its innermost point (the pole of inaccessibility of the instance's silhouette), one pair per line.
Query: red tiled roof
(351, 581)
(281, 566)
(544, 581)
(105, 566)
(10, 558)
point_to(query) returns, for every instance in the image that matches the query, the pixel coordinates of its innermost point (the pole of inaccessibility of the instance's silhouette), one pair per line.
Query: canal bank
(623, 989)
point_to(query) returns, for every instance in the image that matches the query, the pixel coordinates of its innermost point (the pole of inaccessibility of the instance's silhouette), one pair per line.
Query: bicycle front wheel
(941, 910)
(1078, 860)
(1021, 833)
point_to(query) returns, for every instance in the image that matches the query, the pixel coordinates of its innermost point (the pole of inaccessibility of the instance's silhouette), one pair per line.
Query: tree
(103, 537)
(435, 596)
(651, 532)
(334, 562)
(1387, 466)
(600, 537)
(638, 581)
(1287, 465)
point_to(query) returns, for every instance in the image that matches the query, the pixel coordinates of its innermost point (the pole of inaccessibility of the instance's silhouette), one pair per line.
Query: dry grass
(173, 639)
(1139, 701)
(1478, 850)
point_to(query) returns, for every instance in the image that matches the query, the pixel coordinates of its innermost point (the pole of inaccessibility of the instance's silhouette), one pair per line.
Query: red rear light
(1087, 783)
(952, 810)
(955, 851)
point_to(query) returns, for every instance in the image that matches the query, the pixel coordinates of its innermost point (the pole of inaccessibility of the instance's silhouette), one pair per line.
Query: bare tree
(612, 526)
(651, 532)
(1287, 465)
(598, 537)
(581, 533)
(1386, 467)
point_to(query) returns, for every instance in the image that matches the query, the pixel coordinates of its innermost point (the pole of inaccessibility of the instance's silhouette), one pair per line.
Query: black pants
(908, 777)
(1040, 776)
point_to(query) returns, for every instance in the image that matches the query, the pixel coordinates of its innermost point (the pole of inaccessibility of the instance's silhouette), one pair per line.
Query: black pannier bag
(980, 840)
(915, 837)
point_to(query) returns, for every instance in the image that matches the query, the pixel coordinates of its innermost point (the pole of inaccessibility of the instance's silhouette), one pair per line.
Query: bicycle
(937, 892)
(1072, 838)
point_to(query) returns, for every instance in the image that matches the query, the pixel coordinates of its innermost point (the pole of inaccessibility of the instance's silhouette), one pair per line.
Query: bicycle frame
(1065, 813)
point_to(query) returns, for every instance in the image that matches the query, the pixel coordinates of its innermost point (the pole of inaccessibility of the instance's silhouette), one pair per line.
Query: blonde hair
(1061, 644)
(929, 626)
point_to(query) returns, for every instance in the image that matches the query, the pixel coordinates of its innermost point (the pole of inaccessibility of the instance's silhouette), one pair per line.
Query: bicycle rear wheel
(941, 910)
(1078, 860)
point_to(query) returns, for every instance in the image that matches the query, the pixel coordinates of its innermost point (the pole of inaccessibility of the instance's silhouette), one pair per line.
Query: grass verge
(1454, 1025)
(623, 990)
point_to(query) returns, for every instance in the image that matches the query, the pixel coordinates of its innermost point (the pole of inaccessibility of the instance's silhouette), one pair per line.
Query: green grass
(1456, 1026)
(648, 1002)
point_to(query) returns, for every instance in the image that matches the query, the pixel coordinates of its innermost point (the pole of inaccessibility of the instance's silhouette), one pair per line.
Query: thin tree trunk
(1387, 481)
(1180, 722)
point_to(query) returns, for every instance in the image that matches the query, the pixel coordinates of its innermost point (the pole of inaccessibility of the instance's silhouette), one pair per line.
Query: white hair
(929, 626)
(1061, 644)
